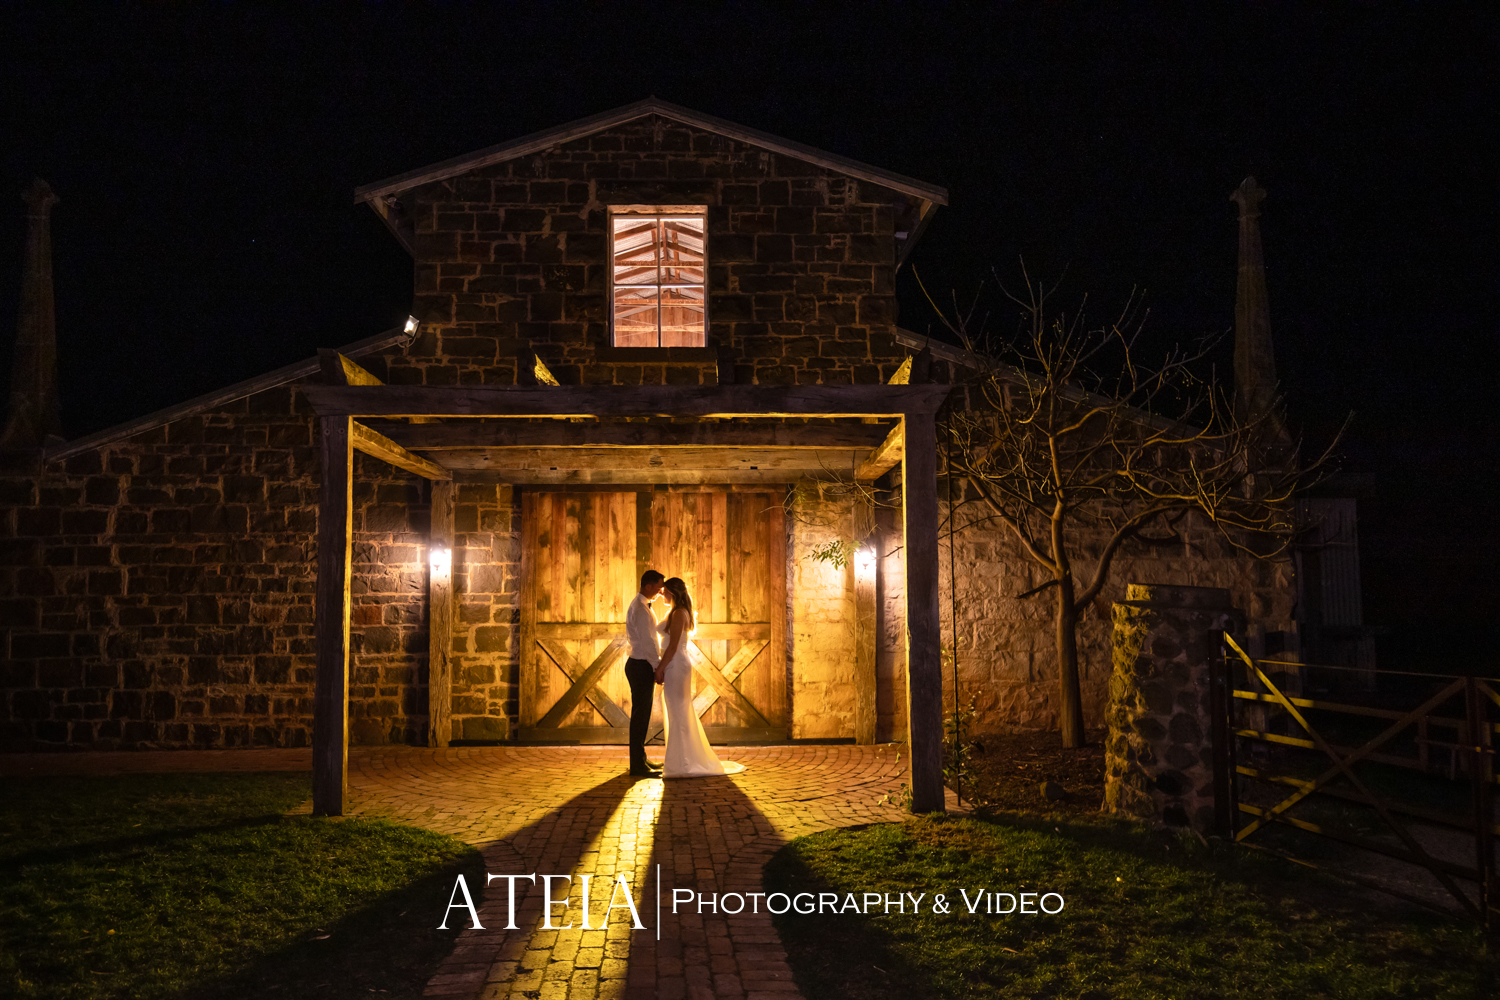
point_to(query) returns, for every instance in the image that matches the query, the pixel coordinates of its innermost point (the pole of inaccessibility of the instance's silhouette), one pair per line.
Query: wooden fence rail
(1240, 682)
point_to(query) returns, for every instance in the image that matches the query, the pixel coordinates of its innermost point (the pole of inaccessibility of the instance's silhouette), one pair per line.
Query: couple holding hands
(688, 754)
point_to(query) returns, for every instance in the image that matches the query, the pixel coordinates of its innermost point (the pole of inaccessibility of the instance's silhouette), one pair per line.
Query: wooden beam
(584, 685)
(635, 460)
(883, 458)
(377, 445)
(748, 480)
(440, 616)
(620, 736)
(562, 434)
(339, 370)
(626, 401)
(726, 690)
(924, 671)
(865, 623)
(706, 631)
(542, 373)
(331, 617)
(731, 670)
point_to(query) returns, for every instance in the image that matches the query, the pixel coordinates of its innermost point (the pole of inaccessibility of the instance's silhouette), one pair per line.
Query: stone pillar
(1159, 762)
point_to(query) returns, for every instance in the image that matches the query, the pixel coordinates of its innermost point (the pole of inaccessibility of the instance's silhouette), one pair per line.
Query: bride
(688, 752)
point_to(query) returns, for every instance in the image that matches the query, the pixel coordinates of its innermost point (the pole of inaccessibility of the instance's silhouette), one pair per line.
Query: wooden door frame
(914, 439)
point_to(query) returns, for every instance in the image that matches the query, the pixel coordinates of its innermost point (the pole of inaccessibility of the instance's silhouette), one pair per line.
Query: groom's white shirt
(640, 629)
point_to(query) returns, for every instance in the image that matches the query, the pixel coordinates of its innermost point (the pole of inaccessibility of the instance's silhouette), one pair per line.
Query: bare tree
(1077, 448)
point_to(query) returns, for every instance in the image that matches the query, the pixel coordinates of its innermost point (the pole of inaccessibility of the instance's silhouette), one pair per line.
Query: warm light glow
(864, 558)
(440, 559)
(411, 325)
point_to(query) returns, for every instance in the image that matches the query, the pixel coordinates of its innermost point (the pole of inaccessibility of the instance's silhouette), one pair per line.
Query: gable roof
(377, 195)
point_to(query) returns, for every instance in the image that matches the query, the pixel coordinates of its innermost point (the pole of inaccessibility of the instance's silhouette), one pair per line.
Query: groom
(640, 670)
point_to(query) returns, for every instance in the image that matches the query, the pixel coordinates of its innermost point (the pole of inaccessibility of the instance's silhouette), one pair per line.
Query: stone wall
(1159, 753)
(823, 617)
(158, 591)
(513, 257)
(486, 626)
(1007, 658)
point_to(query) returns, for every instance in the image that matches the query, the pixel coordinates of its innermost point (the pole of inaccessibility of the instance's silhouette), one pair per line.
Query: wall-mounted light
(411, 325)
(864, 557)
(440, 559)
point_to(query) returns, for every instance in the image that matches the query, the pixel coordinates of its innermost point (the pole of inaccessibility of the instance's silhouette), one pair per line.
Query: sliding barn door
(583, 555)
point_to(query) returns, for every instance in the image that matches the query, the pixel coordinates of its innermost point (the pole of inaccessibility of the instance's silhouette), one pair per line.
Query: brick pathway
(572, 811)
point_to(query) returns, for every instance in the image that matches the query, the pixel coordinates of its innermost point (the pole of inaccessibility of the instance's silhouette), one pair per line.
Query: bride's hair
(681, 599)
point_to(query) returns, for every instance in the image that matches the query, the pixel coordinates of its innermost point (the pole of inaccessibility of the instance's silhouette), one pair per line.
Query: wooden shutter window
(657, 287)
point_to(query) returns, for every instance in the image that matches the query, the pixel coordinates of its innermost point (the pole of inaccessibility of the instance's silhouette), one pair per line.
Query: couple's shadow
(663, 835)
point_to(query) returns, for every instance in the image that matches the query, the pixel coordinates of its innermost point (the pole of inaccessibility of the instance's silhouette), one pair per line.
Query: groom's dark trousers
(642, 677)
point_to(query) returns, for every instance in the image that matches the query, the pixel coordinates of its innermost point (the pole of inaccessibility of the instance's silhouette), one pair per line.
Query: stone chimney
(34, 415)
(1254, 359)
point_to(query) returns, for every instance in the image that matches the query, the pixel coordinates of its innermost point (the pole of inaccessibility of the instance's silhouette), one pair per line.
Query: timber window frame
(658, 276)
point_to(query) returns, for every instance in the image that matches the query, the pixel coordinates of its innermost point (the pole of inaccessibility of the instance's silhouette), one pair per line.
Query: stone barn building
(160, 580)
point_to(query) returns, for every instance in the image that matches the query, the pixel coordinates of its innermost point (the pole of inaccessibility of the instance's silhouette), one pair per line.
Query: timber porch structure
(911, 441)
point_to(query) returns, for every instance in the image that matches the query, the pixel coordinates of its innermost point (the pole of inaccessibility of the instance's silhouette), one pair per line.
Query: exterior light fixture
(864, 557)
(440, 559)
(411, 325)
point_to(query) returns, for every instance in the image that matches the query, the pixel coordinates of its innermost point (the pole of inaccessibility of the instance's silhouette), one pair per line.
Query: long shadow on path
(700, 835)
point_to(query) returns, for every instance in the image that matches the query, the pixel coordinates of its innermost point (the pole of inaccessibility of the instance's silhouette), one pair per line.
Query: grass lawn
(184, 886)
(1147, 915)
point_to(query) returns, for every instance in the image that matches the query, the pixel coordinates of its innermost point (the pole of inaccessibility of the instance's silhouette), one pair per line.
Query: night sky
(206, 165)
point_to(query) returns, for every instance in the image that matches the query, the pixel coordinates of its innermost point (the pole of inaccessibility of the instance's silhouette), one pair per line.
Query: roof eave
(220, 397)
(547, 138)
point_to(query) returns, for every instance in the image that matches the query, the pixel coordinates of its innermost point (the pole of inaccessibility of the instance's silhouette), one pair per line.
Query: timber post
(331, 687)
(924, 676)
(440, 616)
(1479, 735)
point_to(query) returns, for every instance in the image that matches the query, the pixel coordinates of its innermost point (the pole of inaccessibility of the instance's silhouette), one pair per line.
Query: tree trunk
(1070, 698)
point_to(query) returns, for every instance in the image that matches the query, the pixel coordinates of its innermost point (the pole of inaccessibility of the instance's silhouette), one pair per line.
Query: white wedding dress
(688, 752)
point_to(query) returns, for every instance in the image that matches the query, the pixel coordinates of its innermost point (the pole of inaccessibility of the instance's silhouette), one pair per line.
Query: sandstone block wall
(158, 591)
(486, 624)
(513, 257)
(822, 629)
(1007, 658)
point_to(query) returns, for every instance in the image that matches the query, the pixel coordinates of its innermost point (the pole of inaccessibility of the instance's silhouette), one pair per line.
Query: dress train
(688, 754)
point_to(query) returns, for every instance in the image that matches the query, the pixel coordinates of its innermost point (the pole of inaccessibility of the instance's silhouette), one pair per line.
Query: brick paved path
(572, 811)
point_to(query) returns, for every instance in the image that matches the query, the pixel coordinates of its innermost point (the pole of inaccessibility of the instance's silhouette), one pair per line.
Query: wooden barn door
(582, 557)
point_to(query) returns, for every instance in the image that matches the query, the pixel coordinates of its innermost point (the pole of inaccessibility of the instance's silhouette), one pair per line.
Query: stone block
(33, 645)
(492, 639)
(486, 727)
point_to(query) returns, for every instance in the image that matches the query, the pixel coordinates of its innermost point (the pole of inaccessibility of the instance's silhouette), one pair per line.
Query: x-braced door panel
(583, 555)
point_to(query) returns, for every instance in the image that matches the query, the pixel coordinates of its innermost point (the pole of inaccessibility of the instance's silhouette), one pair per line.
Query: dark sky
(206, 163)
